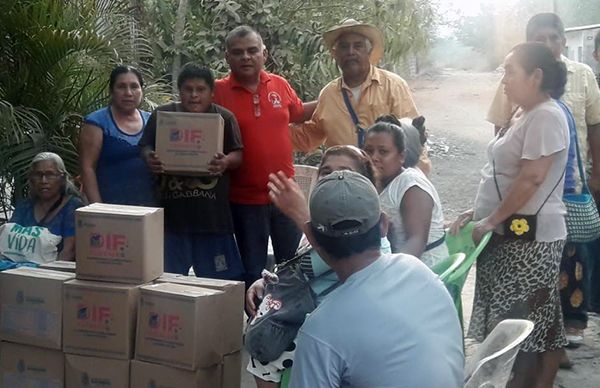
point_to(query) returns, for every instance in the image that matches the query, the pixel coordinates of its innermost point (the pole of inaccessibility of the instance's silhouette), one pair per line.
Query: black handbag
(522, 226)
(286, 302)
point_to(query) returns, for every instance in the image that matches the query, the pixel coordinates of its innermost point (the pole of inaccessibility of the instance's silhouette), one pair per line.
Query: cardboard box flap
(214, 117)
(100, 286)
(59, 265)
(179, 290)
(39, 273)
(215, 284)
(124, 210)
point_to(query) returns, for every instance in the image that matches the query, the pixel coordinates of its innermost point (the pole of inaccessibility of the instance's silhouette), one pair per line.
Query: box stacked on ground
(96, 372)
(99, 318)
(179, 326)
(231, 306)
(23, 366)
(117, 243)
(31, 306)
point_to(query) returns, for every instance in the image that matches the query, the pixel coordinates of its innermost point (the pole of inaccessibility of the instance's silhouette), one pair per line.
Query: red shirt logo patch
(275, 99)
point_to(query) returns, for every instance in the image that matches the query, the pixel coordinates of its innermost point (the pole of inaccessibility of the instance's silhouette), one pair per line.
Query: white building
(580, 44)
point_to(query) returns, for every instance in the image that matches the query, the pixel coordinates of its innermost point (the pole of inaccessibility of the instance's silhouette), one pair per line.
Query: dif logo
(166, 323)
(193, 136)
(108, 244)
(91, 313)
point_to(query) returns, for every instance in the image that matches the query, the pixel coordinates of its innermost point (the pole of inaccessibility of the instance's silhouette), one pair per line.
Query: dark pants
(212, 255)
(573, 287)
(580, 282)
(594, 276)
(253, 225)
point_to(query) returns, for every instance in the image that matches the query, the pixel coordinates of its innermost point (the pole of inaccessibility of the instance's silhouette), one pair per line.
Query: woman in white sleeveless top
(407, 197)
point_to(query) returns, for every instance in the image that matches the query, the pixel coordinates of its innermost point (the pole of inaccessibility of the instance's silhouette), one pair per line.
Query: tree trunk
(178, 35)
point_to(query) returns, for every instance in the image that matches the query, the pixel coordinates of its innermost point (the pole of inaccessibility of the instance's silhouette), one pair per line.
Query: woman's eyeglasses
(38, 176)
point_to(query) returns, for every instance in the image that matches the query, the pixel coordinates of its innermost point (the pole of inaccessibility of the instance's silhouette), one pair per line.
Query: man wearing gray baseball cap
(391, 323)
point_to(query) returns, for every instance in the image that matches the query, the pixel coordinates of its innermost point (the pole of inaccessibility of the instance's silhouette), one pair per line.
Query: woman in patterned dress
(518, 278)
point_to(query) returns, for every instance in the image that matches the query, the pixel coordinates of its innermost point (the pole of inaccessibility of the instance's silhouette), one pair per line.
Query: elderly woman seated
(52, 202)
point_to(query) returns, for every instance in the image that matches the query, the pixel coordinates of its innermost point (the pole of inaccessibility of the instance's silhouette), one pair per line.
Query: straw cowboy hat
(353, 26)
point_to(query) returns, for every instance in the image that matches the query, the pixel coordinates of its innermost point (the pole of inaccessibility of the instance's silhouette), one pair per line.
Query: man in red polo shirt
(264, 104)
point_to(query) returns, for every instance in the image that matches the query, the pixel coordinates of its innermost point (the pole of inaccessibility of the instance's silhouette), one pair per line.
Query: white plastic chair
(306, 177)
(491, 365)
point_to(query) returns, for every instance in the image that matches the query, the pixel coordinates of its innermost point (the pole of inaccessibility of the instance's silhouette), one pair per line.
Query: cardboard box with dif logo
(31, 306)
(95, 372)
(231, 308)
(99, 318)
(118, 243)
(30, 366)
(179, 326)
(144, 375)
(186, 142)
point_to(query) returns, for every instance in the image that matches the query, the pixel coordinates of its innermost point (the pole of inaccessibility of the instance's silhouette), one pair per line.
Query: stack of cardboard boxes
(31, 316)
(188, 330)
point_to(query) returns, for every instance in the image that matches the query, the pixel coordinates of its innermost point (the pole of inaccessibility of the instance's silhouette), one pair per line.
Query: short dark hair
(192, 71)
(240, 32)
(340, 248)
(123, 69)
(544, 20)
(534, 55)
(393, 130)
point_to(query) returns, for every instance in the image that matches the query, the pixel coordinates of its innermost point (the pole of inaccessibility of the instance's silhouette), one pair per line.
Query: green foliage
(56, 55)
(291, 30)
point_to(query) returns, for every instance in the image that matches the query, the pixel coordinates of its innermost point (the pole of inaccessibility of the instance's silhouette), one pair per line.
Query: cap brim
(367, 30)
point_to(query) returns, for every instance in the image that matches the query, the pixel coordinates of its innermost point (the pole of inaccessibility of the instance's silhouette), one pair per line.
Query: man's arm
(306, 137)
(309, 109)
(315, 364)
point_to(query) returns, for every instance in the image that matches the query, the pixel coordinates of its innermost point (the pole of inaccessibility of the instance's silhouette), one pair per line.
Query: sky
(465, 7)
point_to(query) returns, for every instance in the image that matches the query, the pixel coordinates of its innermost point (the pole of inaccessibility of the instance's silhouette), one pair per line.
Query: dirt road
(454, 104)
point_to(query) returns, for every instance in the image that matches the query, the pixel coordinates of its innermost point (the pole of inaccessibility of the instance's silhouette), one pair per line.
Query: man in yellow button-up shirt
(372, 92)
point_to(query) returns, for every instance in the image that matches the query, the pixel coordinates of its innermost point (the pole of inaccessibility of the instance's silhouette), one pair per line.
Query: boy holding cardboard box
(198, 222)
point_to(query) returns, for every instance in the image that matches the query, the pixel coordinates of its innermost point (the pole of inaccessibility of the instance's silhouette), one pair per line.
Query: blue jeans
(253, 225)
(212, 255)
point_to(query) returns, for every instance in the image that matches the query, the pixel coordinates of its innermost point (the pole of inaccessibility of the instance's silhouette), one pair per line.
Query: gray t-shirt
(542, 131)
(392, 324)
